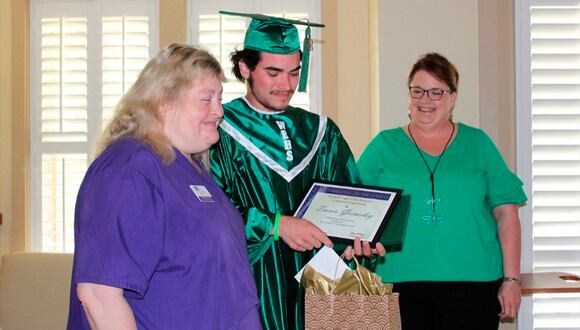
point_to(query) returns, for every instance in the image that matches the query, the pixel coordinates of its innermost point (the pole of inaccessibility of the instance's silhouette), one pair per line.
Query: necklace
(432, 171)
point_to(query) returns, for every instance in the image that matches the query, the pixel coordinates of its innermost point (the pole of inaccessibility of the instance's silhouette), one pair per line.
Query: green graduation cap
(278, 36)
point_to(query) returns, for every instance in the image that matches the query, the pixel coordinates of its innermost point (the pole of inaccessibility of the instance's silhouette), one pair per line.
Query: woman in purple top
(157, 243)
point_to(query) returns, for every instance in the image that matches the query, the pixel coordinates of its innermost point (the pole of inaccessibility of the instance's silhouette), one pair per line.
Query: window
(84, 56)
(548, 95)
(222, 34)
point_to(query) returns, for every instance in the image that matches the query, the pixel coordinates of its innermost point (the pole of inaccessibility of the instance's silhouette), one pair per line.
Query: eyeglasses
(434, 94)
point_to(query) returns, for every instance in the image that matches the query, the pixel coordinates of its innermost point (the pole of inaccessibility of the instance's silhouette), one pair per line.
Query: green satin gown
(265, 162)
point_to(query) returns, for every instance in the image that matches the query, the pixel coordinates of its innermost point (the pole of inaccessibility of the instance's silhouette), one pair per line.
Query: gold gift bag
(358, 300)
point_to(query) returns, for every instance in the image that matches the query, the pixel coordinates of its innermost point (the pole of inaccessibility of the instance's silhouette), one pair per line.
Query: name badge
(202, 193)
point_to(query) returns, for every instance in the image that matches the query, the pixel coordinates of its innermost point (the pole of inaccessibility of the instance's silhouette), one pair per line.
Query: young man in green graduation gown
(266, 158)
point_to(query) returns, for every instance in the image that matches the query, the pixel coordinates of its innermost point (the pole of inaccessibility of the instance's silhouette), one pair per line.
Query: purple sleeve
(119, 228)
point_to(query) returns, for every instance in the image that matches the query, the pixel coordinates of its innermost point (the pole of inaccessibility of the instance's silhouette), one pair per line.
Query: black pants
(449, 305)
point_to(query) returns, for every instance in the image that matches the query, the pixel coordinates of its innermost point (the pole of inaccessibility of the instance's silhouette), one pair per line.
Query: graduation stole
(270, 141)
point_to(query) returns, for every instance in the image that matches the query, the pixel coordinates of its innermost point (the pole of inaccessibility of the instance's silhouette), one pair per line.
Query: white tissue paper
(327, 263)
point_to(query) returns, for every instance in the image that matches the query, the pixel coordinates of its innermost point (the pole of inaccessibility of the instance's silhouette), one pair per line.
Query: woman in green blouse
(459, 264)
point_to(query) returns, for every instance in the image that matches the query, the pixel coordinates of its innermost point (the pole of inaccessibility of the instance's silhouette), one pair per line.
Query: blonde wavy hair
(173, 70)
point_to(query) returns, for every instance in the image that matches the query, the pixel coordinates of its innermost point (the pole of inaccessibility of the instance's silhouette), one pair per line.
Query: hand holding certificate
(346, 211)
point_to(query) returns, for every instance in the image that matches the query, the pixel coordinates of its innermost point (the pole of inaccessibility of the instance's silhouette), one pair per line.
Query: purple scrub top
(168, 236)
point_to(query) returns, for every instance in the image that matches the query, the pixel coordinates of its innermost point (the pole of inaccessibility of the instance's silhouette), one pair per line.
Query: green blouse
(265, 162)
(456, 238)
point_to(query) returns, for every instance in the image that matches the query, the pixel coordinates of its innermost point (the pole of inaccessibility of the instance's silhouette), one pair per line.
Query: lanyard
(432, 172)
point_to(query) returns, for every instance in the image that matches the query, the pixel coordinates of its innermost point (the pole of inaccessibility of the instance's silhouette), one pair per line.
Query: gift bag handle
(356, 274)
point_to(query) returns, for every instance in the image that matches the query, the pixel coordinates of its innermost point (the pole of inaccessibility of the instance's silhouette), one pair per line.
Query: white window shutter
(62, 175)
(555, 97)
(64, 79)
(125, 51)
(70, 103)
(63, 120)
(221, 35)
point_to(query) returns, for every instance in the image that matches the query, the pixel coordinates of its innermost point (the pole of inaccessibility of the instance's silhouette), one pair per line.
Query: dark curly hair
(249, 56)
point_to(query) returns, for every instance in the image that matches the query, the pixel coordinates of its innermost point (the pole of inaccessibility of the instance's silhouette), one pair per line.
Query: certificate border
(358, 190)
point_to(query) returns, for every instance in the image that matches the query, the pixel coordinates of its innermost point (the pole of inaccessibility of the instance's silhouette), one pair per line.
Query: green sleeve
(503, 186)
(258, 222)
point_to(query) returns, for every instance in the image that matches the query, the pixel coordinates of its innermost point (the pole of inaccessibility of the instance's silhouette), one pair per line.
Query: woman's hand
(509, 296)
(363, 249)
(508, 224)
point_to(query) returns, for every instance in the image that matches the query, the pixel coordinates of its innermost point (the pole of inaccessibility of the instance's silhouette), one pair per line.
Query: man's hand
(301, 235)
(363, 249)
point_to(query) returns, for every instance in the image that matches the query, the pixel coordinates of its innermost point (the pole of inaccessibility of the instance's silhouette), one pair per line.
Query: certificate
(347, 211)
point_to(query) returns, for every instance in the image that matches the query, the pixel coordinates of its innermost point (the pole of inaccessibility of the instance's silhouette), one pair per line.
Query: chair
(34, 290)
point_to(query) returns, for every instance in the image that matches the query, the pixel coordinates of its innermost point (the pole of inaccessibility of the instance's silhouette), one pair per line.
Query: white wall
(410, 28)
